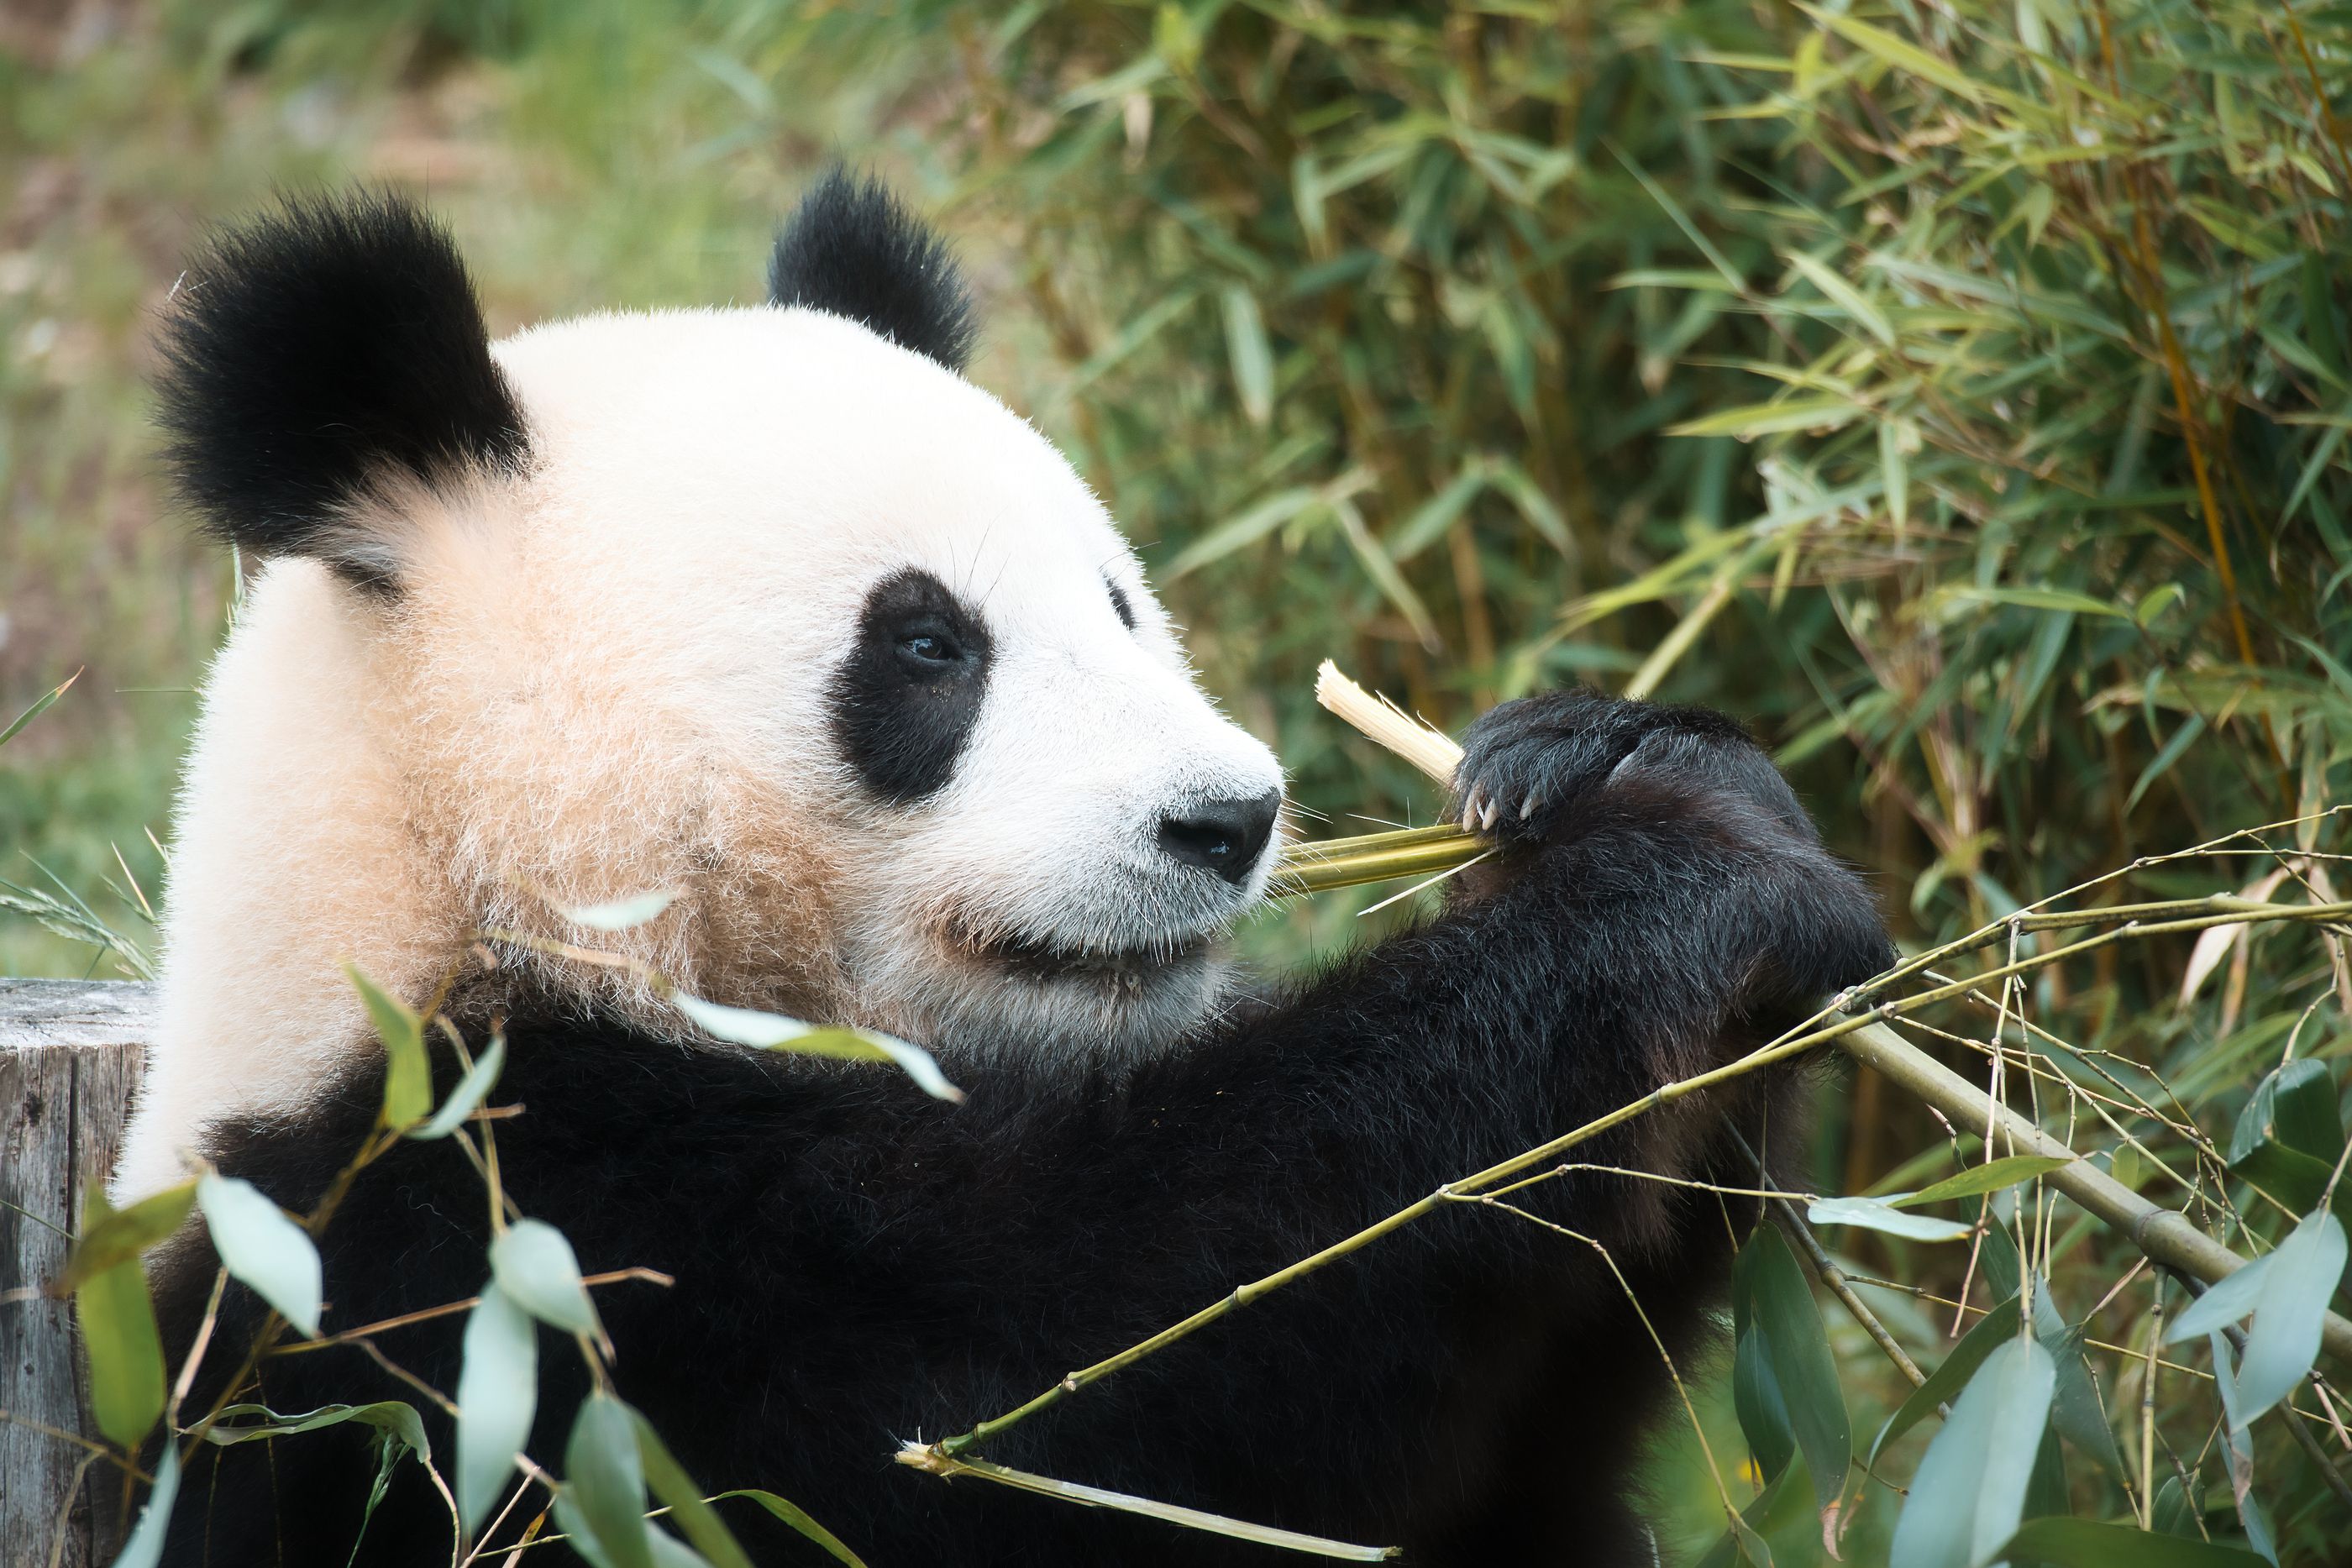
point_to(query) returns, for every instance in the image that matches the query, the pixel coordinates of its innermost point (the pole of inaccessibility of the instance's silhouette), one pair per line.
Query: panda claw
(1528, 806)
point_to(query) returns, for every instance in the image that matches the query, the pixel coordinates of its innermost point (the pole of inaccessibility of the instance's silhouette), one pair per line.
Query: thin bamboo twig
(1682, 1391)
(928, 1457)
(426, 1314)
(1477, 1182)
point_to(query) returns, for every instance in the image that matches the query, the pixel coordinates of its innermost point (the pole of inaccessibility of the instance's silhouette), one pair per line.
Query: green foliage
(1877, 358)
(408, 1072)
(603, 1499)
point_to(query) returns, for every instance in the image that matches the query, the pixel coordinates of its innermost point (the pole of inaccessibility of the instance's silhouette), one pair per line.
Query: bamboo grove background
(1957, 392)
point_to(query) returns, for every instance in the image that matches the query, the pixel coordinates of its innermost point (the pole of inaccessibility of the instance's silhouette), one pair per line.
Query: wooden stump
(70, 1054)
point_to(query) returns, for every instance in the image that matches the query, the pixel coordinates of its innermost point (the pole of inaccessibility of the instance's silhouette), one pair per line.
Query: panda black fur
(856, 1264)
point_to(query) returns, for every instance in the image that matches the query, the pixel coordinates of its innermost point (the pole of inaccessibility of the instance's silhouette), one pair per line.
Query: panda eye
(929, 647)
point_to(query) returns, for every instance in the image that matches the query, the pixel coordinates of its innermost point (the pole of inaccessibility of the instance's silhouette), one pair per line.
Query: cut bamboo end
(1431, 751)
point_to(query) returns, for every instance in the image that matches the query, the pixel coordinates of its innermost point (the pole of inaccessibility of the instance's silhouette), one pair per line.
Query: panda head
(768, 606)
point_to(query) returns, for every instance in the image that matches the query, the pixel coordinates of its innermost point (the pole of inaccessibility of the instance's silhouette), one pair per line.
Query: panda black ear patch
(313, 353)
(850, 250)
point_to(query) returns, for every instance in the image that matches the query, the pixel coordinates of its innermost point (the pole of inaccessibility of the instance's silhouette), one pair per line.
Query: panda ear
(317, 354)
(850, 250)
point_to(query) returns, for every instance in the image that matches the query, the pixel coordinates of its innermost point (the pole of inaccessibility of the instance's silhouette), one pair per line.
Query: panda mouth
(1041, 959)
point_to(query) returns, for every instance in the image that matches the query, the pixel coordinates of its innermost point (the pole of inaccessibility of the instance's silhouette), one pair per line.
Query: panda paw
(1526, 764)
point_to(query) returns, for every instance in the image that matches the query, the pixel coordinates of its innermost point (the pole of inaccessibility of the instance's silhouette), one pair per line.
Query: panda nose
(1223, 836)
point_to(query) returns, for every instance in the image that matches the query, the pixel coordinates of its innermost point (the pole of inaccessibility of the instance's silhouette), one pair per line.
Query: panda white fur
(771, 607)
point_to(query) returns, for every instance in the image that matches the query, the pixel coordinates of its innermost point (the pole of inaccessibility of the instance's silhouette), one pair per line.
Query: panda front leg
(1658, 903)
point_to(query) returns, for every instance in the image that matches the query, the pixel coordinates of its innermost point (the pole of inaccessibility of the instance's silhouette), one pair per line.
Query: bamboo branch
(931, 1459)
(2164, 1236)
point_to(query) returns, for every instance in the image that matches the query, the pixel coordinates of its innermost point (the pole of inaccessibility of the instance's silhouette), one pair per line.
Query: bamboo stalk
(2165, 1236)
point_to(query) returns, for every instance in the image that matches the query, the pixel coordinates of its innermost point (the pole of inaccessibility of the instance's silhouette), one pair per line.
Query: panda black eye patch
(904, 702)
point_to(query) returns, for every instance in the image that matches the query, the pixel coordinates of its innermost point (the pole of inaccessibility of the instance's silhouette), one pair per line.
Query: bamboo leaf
(1782, 1508)
(117, 1319)
(2284, 1340)
(1991, 1176)
(2224, 1303)
(1385, 575)
(1904, 57)
(1251, 356)
(2171, 753)
(704, 1532)
(40, 705)
(407, 1073)
(261, 1247)
(1141, 329)
(1817, 413)
(1246, 527)
(2238, 1451)
(1996, 1328)
(2294, 1105)
(255, 1423)
(144, 1549)
(1520, 487)
(497, 1394)
(1847, 298)
(1969, 1494)
(1781, 1311)
(2035, 598)
(797, 1517)
(604, 1483)
(466, 1096)
(2088, 1543)
(1430, 520)
(111, 1236)
(533, 1265)
(1755, 1400)
(618, 914)
(1881, 1214)
(773, 1031)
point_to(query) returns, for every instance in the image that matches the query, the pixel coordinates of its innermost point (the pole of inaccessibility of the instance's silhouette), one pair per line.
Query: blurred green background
(1957, 392)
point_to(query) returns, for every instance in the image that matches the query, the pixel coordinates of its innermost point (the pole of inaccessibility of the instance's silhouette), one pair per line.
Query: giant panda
(771, 607)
